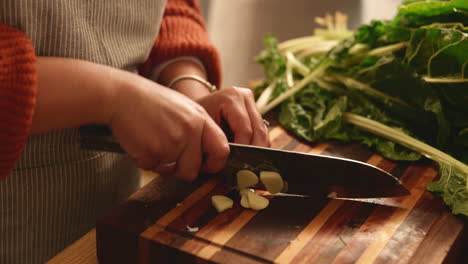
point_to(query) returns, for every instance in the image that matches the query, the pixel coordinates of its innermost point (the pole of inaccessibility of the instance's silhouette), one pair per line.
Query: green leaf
(394, 151)
(443, 126)
(426, 8)
(271, 59)
(439, 50)
(313, 115)
(407, 74)
(417, 13)
(452, 187)
(295, 119)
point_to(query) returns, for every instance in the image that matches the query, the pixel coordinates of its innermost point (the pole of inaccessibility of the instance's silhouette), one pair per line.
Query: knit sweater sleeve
(18, 84)
(183, 33)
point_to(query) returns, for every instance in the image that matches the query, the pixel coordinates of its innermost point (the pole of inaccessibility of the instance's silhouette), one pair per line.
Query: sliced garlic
(244, 191)
(257, 202)
(246, 178)
(272, 181)
(221, 202)
(245, 201)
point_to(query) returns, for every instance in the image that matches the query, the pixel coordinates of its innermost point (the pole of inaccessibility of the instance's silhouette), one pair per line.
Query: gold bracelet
(210, 86)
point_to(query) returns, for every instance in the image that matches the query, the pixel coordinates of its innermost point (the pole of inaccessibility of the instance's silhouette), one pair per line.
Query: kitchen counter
(152, 225)
(412, 229)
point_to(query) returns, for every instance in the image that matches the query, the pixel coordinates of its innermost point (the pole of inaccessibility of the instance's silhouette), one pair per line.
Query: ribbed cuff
(18, 85)
(183, 33)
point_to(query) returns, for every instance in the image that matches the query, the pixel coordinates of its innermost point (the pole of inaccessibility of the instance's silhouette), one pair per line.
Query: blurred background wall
(237, 27)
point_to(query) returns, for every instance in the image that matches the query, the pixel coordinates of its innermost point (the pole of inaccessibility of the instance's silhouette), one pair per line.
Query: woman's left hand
(236, 107)
(232, 106)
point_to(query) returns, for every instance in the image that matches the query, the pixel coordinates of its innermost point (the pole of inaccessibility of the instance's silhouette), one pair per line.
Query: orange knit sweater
(182, 33)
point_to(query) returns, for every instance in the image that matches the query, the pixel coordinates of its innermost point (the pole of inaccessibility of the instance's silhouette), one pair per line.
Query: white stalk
(289, 74)
(294, 42)
(265, 96)
(301, 68)
(364, 87)
(444, 80)
(358, 48)
(403, 139)
(298, 86)
(328, 86)
(320, 48)
(302, 46)
(387, 49)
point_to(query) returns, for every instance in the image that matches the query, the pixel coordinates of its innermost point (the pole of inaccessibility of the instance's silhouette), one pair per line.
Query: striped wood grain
(292, 230)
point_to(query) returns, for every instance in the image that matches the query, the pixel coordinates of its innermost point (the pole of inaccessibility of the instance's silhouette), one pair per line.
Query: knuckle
(249, 94)
(233, 93)
(177, 137)
(192, 124)
(247, 91)
(231, 89)
(246, 132)
(243, 90)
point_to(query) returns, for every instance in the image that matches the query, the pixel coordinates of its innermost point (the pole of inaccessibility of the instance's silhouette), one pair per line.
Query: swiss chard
(399, 87)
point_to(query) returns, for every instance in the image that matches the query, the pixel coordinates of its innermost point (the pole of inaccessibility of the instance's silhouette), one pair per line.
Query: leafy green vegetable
(399, 87)
(271, 58)
(422, 12)
(452, 188)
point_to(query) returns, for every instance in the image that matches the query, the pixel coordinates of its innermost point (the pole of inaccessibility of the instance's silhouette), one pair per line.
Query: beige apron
(57, 191)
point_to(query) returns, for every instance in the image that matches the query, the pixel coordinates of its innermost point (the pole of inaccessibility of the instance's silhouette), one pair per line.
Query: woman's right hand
(157, 126)
(154, 124)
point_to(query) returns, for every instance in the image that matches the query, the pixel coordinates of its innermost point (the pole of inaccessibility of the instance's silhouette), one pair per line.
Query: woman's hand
(236, 107)
(154, 124)
(158, 126)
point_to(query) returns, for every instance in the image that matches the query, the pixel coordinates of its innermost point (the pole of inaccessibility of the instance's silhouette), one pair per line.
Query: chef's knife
(316, 175)
(305, 174)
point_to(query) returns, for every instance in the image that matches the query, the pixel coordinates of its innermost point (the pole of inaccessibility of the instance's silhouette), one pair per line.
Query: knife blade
(306, 174)
(315, 175)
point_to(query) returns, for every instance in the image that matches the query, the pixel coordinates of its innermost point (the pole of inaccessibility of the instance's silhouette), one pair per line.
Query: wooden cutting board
(153, 225)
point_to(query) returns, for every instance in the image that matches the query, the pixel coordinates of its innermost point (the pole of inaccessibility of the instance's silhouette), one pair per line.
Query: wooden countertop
(413, 229)
(83, 251)
(152, 225)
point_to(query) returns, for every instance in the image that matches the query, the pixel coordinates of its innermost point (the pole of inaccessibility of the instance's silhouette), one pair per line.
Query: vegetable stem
(387, 49)
(265, 96)
(350, 82)
(403, 139)
(298, 86)
(294, 42)
(317, 49)
(301, 68)
(444, 80)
